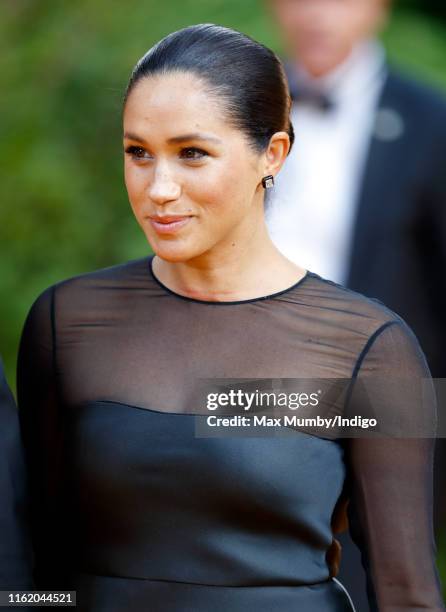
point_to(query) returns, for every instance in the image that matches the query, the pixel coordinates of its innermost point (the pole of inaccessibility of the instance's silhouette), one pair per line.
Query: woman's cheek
(214, 186)
(203, 191)
(136, 190)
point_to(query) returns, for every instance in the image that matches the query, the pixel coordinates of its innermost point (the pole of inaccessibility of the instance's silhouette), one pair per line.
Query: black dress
(15, 549)
(136, 511)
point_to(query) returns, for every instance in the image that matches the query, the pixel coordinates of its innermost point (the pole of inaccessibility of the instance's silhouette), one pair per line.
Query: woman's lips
(168, 225)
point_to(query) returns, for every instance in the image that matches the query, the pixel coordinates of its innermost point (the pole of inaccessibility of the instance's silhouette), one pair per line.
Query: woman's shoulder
(121, 271)
(341, 303)
(83, 286)
(362, 321)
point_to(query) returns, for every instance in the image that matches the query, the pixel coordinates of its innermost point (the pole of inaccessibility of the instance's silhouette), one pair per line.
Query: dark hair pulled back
(245, 75)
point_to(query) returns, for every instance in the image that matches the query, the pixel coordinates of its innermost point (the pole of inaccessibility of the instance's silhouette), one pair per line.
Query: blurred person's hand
(333, 558)
(339, 524)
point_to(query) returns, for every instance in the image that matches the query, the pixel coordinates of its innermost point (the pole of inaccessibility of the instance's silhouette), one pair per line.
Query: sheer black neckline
(307, 274)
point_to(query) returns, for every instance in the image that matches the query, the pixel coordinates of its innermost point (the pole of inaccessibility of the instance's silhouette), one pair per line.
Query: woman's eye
(137, 152)
(193, 153)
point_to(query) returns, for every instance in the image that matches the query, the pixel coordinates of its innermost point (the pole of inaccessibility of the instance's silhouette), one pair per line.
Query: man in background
(361, 199)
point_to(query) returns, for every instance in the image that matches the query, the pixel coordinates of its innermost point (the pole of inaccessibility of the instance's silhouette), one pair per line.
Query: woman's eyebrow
(131, 136)
(193, 136)
(177, 139)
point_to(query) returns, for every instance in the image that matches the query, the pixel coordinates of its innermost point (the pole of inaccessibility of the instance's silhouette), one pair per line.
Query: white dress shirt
(310, 211)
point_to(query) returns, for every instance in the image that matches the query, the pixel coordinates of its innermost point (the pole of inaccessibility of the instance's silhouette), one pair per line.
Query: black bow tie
(312, 97)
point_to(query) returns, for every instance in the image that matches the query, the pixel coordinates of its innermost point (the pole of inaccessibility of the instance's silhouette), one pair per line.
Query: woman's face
(193, 181)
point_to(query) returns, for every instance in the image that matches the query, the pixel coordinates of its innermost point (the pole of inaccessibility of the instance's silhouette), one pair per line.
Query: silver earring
(268, 181)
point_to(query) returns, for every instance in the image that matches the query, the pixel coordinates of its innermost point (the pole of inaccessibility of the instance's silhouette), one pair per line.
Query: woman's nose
(163, 186)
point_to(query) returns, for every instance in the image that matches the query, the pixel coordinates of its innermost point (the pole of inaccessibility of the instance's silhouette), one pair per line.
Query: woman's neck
(236, 270)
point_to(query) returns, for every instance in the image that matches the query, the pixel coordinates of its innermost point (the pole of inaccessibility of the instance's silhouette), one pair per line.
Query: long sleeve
(42, 430)
(390, 474)
(15, 550)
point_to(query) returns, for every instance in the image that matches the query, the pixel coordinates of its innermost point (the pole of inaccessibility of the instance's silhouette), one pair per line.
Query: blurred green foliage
(65, 65)
(435, 8)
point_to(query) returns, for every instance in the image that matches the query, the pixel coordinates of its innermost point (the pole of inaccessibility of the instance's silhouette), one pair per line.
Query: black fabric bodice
(136, 511)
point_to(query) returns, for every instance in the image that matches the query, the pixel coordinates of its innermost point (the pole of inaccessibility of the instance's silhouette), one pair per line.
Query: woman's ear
(276, 153)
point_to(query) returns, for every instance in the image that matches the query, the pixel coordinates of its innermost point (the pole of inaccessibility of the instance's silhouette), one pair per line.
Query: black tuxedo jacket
(398, 252)
(15, 550)
(398, 244)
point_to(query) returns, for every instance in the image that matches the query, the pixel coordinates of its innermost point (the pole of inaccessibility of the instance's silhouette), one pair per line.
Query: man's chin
(320, 63)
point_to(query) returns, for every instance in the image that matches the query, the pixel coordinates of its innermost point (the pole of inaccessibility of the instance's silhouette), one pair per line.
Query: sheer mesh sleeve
(43, 439)
(390, 476)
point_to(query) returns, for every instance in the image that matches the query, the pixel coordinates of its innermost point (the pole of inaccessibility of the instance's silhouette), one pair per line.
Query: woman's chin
(173, 251)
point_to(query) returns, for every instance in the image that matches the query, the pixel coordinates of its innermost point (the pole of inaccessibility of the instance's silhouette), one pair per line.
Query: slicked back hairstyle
(246, 77)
